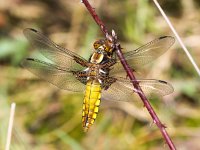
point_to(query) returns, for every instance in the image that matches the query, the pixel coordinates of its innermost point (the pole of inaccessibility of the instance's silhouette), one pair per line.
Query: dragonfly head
(104, 46)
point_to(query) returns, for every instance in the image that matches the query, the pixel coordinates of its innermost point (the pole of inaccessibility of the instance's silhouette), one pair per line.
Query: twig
(10, 126)
(178, 37)
(132, 77)
(95, 16)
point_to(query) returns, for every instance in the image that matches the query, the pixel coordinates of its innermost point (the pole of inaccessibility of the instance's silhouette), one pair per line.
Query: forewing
(60, 56)
(123, 90)
(145, 54)
(60, 77)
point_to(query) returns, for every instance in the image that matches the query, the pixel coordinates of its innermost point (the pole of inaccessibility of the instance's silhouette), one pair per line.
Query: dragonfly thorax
(94, 70)
(96, 58)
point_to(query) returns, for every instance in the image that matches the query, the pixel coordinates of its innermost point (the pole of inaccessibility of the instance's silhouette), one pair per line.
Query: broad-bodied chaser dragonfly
(97, 77)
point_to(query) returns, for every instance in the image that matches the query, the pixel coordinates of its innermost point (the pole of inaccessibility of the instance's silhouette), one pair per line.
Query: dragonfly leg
(81, 76)
(108, 63)
(107, 82)
(81, 61)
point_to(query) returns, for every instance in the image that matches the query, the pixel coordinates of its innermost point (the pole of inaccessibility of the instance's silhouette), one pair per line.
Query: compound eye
(106, 48)
(96, 45)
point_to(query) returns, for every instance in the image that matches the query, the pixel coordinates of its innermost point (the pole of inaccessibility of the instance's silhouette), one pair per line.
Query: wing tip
(26, 30)
(23, 62)
(163, 37)
(166, 36)
(161, 81)
(170, 87)
(169, 37)
(31, 59)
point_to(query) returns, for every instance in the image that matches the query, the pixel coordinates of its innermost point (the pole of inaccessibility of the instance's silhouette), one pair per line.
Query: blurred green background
(50, 119)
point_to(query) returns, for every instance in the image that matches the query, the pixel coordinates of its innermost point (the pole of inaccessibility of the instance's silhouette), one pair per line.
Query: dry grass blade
(10, 126)
(178, 37)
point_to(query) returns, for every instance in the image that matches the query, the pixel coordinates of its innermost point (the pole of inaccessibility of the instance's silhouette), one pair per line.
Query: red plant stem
(148, 106)
(129, 72)
(95, 16)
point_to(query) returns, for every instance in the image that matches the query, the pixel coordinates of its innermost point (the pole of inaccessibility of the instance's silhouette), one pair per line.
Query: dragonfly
(98, 77)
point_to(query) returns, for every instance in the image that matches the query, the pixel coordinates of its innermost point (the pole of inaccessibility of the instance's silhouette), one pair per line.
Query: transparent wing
(145, 54)
(122, 89)
(61, 77)
(60, 56)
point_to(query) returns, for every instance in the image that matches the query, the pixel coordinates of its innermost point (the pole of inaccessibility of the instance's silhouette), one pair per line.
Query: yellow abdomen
(91, 103)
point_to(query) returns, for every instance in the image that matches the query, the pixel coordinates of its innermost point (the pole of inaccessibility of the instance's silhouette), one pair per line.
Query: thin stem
(95, 16)
(178, 37)
(10, 126)
(129, 72)
(144, 99)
